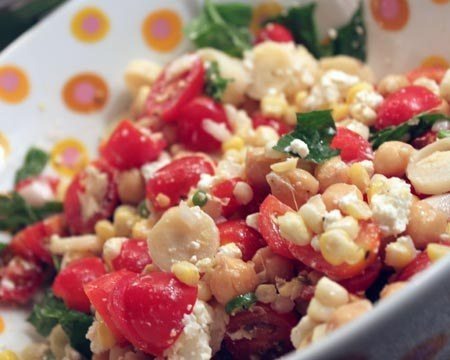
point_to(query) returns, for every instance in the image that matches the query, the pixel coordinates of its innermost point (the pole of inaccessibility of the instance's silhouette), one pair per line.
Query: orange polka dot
(390, 15)
(2, 325)
(262, 12)
(162, 30)
(435, 60)
(90, 25)
(14, 84)
(69, 156)
(85, 93)
(440, 2)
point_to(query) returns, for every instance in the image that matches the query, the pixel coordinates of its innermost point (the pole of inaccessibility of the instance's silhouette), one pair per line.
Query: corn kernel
(163, 200)
(105, 338)
(266, 293)
(340, 111)
(8, 355)
(318, 311)
(319, 332)
(330, 293)
(359, 209)
(284, 166)
(313, 212)
(104, 230)
(348, 223)
(290, 115)
(359, 177)
(204, 292)
(293, 228)
(291, 289)
(233, 143)
(274, 105)
(437, 251)
(300, 98)
(355, 89)
(400, 253)
(124, 219)
(337, 248)
(141, 229)
(186, 272)
(302, 331)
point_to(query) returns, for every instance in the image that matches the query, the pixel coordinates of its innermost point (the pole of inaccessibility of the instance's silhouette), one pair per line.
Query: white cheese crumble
(37, 192)
(364, 108)
(230, 250)
(112, 248)
(96, 185)
(298, 147)
(218, 131)
(180, 65)
(149, 169)
(243, 192)
(428, 83)
(252, 221)
(206, 182)
(355, 126)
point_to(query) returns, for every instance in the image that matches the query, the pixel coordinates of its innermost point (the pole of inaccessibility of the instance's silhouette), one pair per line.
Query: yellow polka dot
(14, 84)
(262, 12)
(8, 355)
(2, 325)
(391, 15)
(85, 93)
(69, 156)
(162, 30)
(435, 60)
(90, 25)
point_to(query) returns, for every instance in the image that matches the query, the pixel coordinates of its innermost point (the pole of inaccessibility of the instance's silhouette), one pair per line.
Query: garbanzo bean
(392, 157)
(335, 192)
(332, 172)
(131, 186)
(392, 83)
(269, 266)
(257, 166)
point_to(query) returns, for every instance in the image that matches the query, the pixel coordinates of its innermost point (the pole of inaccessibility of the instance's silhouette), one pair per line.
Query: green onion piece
(443, 134)
(240, 303)
(200, 198)
(143, 211)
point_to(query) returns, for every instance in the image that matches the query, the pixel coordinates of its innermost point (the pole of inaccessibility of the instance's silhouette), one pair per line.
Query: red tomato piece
(248, 240)
(364, 280)
(419, 264)
(172, 90)
(133, 256)
(404, 104)
(75, 217)
(19, 280)
(131, 146)
(368, 238)
(98, 291)
(270, 333)
(435, 73)
(274, 32)
(352, 145)
(281, 128)
(191, 124)
(268, 211)
(32, 242)
(149, 309)
(69, 283)
(176, 179)
(224, 191)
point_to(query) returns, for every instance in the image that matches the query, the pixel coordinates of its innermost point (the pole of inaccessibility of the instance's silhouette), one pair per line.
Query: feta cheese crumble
(298, 147)
(365, 105)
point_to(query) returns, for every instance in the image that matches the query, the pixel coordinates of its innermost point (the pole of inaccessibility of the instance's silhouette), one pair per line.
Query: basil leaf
(35, 162)
(3, 246)
(214, 29)
(237, 14)
(407, 131)
(316, 129)
(240, 303)
(215, 84)
(51, 311)
(443, 134)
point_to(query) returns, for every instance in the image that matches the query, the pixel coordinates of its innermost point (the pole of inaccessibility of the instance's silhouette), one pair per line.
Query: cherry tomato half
(176, 179)
(224, 190)
(248, 240)
(274, 32)
(192, 124)
(149, 309)
(352, 145)
(173, 89)
(419, 264)
(435, 73)
(134, 256)
(131, 146)
(364, 280)
(404, 104)
(69, 283)
(281, 128)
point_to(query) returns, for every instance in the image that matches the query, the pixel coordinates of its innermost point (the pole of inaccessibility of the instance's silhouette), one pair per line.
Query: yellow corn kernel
(400, 253)
(330, 293)
(355, 89)
(290, 115)
(337, 248)
(376, 187)
(300, 98)
(318, 311)
(283, 166)
(437, 251)
(358, 209)
(266, 293)
(204, 292)
(233, 143)
(186, 272)
(313, 212)
(359, 177)
(8, 355)
(105, 338)
(293, 228)
(124, 219)
(348, 223)
(274, 105)
(141, 229)
(104, 230)
(340, 111)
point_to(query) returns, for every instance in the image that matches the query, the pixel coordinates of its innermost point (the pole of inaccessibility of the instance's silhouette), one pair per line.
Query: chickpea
(426, 224)
(392, 83)
(231, 277)
(257, 166)
(348, 312)
(392, 288)
(293, 187)
(131, 187)
(335, 192)
(392, 157)
(269, 266)
(332, 172)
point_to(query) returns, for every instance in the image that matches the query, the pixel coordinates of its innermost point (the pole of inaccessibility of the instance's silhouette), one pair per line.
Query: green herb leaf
(3, 246)
(222, 27)
(215, 84)
(57, 262)
(443, 134)
(15, 213)
(407, 131)
(35, 161)
(143, 210)
(240, 303)
(316, 129)
(51, 311)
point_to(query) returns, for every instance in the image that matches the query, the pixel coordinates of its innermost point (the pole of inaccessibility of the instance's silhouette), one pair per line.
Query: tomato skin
(52, 181)
(224, 191)
(176, 179)
(419, 264)
(352, 145)
(271, 333)
(272, 207)
(162, 303)
(133, 256)
(404, 104)
(281, 128)
(364, 280)
(191, 132)
(274, 32)
(247, 239)
(69, 283)
(130, 146)
(72, 203)
(426, 139)
(169, 95)
(32, 242)
(368, 238)
(435, 73)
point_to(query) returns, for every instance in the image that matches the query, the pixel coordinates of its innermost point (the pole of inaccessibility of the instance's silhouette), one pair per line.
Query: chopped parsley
(35, 162)
(215, 84)
(240, 303)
